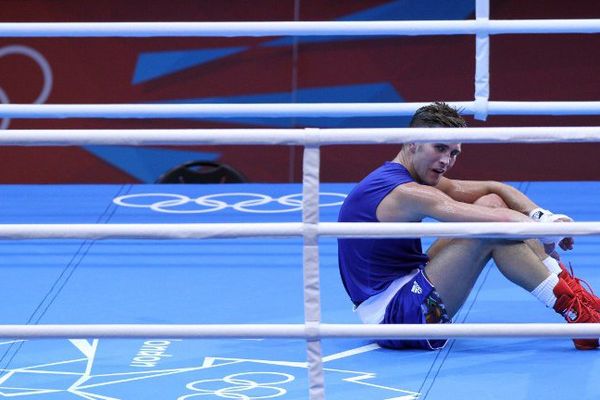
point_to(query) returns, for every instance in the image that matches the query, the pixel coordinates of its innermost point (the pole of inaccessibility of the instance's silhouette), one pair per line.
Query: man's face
(432, 160)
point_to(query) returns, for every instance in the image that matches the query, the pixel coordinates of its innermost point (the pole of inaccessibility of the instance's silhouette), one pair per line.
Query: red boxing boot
(575, 310)
(575, 284)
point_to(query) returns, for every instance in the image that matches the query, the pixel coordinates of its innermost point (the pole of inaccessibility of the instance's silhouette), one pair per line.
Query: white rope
(149, 231)
(482, 61)
(291, 229)
(279, 110)
(316, 136)
(543, 107)
(301, 331)
(295, 28)
(521, 230)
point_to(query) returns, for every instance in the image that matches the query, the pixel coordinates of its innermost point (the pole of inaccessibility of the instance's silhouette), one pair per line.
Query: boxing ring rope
(310, 228)
(521, 230)
(298, 28)
(277, 110)
(299, 331)
(302, 136)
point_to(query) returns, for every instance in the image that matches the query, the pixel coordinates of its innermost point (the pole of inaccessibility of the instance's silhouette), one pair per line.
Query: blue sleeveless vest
(368, 266)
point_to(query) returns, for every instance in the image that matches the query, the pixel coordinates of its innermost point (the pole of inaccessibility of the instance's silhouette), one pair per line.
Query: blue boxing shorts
(417, 302)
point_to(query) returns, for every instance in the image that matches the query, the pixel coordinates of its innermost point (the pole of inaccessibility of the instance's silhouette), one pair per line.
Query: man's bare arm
(413, 202)
(469, 191)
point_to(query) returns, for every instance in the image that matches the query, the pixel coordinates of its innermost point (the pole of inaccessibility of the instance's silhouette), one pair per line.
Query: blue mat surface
(249, 281)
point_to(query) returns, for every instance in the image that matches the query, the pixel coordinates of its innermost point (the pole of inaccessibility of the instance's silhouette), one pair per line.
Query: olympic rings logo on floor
(243, 386)
(246, 202)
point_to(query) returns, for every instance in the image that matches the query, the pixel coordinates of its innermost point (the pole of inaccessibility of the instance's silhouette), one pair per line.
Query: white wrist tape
(543, 215)
(539, 214)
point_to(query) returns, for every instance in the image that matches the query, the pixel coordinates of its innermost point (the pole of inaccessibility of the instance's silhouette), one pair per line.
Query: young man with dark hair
(392, 281)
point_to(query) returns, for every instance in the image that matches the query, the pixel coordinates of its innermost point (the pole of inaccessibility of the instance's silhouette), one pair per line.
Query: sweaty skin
(450, 200)
(445, 200)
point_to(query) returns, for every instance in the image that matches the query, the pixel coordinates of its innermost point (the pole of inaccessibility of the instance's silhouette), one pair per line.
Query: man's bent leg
(455, 268)
(520, 264)
(570, 302)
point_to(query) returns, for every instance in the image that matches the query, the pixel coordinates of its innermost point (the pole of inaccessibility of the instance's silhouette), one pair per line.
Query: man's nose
(445, 159)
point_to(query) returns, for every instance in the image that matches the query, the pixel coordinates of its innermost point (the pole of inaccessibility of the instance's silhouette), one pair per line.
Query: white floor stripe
(351, 352)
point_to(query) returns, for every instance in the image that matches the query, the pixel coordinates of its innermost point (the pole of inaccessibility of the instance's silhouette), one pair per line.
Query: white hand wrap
(543, 215)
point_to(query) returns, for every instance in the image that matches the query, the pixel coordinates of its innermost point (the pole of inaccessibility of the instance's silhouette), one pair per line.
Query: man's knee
(484, 245)
(472, 246)
(491, 200)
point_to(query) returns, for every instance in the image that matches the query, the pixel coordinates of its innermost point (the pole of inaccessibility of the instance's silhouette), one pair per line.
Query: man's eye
(454, 154)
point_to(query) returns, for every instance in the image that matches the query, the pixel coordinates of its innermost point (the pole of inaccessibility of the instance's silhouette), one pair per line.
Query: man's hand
(566, 243)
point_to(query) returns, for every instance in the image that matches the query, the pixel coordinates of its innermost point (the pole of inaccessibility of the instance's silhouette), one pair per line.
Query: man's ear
(412, 147)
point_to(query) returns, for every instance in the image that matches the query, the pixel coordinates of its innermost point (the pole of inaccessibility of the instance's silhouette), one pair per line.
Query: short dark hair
(438, 114)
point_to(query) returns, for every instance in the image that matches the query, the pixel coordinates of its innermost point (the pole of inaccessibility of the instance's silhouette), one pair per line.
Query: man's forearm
(514, 199)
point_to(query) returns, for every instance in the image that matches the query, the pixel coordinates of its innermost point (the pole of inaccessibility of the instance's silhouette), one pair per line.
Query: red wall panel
(100, 70)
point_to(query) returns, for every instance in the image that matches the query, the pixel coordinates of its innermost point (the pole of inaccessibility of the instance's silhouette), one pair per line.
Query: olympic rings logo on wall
(41, 61)
(243, 386)
(242, 202)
